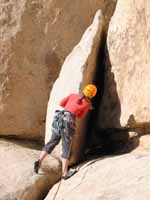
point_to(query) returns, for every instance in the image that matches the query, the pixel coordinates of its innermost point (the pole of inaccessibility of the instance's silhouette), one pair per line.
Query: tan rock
(35, 38)
(67, 22)
(108, 178)
(78, 69)
(144, 143)
(24, 70)
(127, 81)
(17, 178)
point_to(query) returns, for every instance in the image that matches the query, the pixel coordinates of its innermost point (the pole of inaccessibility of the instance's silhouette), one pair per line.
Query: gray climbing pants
(63, 127)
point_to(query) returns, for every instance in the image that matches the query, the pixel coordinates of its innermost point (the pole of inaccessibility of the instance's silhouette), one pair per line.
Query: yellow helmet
(90, 91)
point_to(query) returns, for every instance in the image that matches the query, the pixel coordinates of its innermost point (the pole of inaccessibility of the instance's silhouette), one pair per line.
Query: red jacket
(70, 103)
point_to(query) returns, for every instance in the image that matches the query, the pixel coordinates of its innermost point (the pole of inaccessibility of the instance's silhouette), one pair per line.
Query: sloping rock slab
(121, 177)
(78, 69)
(17, 178)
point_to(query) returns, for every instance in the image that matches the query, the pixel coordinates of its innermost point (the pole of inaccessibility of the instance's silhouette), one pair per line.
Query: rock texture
(68, 21)
(24, 72)
(34, 40)
(144, 142)
(126, 92)
(117, 177)
(17, 178)
(77, 70)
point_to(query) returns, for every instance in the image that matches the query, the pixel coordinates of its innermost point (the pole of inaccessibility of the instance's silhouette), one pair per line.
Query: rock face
(34, 40)
(23, 68)
(77, 70)
(68, 21)
(17, 178)
(126, 93)
(118, 177)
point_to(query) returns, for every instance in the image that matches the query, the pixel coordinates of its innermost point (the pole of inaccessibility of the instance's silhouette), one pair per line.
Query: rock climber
(63, 125)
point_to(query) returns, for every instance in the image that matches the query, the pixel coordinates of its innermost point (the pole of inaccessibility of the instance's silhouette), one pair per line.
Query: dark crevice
(93, 115)
(110, 140)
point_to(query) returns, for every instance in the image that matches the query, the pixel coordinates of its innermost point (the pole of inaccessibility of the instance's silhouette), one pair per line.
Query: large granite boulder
(108, 178)
(24, 69)
(17, 178)
(35, 38)
(127, 80)
(78, 70)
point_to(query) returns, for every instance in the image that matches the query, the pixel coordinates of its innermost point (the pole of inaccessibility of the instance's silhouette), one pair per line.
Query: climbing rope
(54, 197)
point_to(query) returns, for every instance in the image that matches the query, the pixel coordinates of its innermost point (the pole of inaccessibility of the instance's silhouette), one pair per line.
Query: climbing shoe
(69, 174)
(37, 166)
